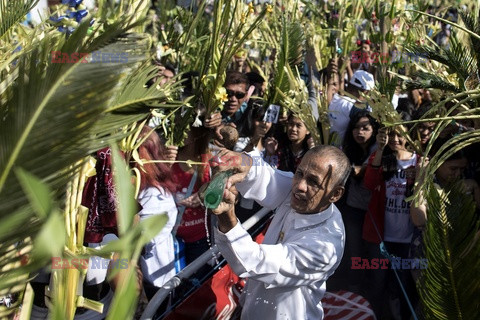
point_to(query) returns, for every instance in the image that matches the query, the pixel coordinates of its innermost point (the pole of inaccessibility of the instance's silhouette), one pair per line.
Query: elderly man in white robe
(305, 241)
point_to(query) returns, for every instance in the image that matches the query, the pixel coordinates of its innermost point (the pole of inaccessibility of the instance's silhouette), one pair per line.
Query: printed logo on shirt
(396, 191)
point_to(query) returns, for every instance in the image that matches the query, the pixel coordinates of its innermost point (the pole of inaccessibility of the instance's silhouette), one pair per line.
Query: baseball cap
(363, 80)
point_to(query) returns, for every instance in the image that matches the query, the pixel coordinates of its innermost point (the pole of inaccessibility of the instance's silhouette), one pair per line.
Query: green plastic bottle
(214, 193)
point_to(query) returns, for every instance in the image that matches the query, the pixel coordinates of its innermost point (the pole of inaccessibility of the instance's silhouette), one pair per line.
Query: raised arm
(255, 178)
(291, 264)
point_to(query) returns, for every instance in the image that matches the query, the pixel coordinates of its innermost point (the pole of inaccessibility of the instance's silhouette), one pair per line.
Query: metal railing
(190, 269)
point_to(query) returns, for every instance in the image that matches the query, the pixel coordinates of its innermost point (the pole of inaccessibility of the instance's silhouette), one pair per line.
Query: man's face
(313, 184)
(237, 94)
(425, 130)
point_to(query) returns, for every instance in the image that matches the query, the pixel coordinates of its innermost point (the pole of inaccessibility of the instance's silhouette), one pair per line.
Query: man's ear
(336, 194)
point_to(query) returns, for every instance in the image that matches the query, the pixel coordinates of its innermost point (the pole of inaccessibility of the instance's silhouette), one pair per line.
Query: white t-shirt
(339, 116)
(398, 226)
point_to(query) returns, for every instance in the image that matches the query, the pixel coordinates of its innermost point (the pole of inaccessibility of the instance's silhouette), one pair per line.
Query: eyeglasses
(237, 94)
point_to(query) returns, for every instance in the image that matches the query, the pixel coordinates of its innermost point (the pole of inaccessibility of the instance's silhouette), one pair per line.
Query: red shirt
(192, 226)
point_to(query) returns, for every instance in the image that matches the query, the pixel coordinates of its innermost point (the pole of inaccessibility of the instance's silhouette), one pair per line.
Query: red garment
(99, 197)
(375, 216)
(374, 181)
(192, 226)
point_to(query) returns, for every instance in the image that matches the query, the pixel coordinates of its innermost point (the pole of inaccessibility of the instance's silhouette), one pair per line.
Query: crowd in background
(384, 171)
(374, 207)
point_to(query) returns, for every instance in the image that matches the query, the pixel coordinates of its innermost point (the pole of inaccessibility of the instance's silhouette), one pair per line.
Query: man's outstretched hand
(240, 163)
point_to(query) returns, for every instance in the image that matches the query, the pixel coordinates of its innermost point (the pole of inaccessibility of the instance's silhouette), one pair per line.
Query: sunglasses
(237, 94)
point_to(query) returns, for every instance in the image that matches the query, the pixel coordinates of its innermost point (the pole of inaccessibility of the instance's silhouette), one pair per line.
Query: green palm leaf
(48, 123)
(12, 12)
(431, 81)
(458, 59)
(290, 55)
(471, 22)
(446, 287)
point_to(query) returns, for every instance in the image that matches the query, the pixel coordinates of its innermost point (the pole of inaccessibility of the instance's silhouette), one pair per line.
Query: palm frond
(451, 249)
(296, 100)
(471, 22)
(228, 35)
(431, 81)
(13, 12)
(47, 124)
(456, 25)
(134, 91)
(290, 55)
(457, 59)
(460, 58)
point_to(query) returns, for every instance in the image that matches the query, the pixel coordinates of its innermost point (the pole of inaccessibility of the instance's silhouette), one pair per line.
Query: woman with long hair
(358, 144)
(292, 145)
(156, 197)
(254, 128)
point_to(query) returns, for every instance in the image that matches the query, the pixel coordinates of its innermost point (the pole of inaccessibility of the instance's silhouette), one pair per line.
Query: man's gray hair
(338, 159)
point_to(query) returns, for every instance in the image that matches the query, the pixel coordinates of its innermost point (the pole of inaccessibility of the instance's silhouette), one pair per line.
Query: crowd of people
(370, 209)
(331, 203)
(372, 202)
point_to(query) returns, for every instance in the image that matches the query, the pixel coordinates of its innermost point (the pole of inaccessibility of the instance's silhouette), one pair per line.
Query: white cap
(363, 80)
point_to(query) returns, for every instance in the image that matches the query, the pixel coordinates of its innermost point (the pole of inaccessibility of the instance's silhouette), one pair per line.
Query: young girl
(389, 175)
(253, 130)
(295, 145)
